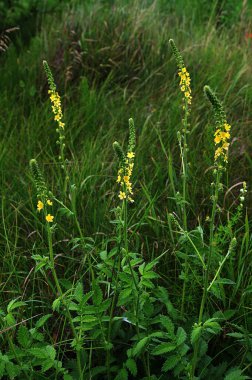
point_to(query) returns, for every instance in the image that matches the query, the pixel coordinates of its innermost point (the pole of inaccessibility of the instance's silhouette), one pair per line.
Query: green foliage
(98, 294)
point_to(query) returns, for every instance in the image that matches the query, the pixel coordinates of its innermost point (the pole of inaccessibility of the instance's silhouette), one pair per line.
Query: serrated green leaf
(141, 268)
(12, 370)
(36, 335)
(147, 283)
(170, 363)
(123, 296)
(150, 275)
(236, 335)
(137, 350)
(14, 304)
(51, 352)
(10, 320)
(97, 294)
(235, 374)
(104, 255)
(163, 348)
(78, 293)
(215, 289)
(2, 368)
(122, 375)
(214, 326)
(41, 321)
(47, 364)
(89, 319)
(227, 314)
(56, 304)
(150, 265)
(167, 323)
(196, 332)
(131, 365)
(183, 349)
(39, 353)
(181, 336)
(67, 377)
(86, 297)
(23, 336)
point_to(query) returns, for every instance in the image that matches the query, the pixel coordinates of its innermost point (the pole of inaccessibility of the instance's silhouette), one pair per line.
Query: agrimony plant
(48, 262)
(221, 141)
(185, 87)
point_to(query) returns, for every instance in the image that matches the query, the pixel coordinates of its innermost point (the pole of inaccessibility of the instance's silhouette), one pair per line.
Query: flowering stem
(59, 290)
(208, 267)
(183, 150)
(125, 225)
(119, 237)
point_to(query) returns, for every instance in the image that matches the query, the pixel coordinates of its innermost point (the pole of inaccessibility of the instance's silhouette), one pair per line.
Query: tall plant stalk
(61, 294)
(221, 140)
(43, 205)
(182, 140)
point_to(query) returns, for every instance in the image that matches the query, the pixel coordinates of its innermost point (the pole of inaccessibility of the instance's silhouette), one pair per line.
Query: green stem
(73, 202)
(114, 299)
(55, 277)
(125, 226)
(208, 267)
(184, 174)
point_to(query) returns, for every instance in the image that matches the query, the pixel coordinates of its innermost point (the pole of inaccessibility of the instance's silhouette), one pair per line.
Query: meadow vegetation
(126, 168)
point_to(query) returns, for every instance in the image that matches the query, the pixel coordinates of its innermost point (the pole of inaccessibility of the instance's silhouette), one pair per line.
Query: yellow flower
(187, 94)
(49, 202)
(40, 205)
(126, 178)
(217, 139)
(225, 145)
(183, 70)
(224, 135)
(49, 218)
(183, 88)
(130, 155)
(218, 152)
(122, 195)
(118, 179)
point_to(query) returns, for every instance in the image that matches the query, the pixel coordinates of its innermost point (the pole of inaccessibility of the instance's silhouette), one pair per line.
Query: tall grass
(119, 292)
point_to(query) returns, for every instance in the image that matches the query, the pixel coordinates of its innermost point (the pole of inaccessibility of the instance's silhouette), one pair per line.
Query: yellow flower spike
(49, 202)
(49, 218)
(40, 205)
(126, 165)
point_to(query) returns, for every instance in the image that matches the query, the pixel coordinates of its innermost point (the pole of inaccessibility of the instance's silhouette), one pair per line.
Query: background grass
(112, 61)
